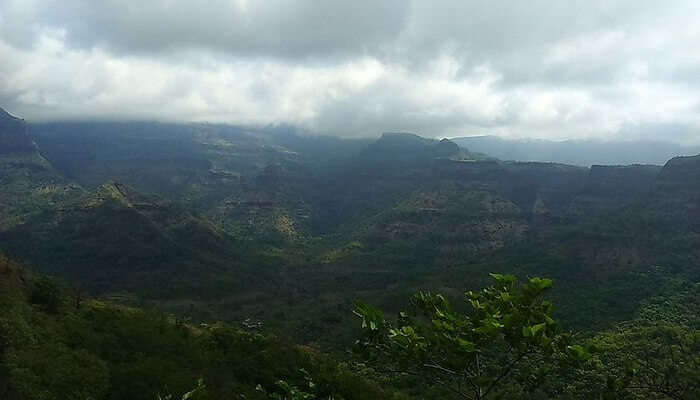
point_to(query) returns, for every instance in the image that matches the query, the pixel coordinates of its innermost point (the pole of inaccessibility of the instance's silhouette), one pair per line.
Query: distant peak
(14, 135)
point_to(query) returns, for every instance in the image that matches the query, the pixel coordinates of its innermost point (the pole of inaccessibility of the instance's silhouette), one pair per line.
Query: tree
(46, 294)
(52, 371)
(645, 361)
(506, 346)
(200, 390)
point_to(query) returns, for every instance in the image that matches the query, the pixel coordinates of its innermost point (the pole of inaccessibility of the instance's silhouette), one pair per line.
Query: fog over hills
(578, 152)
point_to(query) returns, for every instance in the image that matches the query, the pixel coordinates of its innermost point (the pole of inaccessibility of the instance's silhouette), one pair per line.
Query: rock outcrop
(14, 135)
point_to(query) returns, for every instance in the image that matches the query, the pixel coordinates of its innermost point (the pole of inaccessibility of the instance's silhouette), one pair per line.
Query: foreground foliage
(502, 343)
(508, 346)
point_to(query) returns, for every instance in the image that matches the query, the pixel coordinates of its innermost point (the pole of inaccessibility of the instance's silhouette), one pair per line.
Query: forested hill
(55, 343)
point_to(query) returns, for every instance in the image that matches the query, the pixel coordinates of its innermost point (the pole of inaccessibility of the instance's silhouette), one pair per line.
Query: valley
(235, 223)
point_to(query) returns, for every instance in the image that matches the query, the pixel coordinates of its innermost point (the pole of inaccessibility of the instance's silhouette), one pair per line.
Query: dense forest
(202, 261)
(58, 345)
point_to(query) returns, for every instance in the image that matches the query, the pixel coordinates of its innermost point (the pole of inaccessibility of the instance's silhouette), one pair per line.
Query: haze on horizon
(622, 70)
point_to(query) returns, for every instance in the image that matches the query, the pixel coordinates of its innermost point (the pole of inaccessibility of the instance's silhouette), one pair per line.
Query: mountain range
(244, 223)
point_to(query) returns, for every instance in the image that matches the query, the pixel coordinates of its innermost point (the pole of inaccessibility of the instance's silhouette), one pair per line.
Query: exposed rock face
(14, 135)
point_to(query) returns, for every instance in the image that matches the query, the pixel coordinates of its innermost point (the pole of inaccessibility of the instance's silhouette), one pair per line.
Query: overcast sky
(548, 69)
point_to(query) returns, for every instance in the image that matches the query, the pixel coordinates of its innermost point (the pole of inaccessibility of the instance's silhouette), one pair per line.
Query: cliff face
(677, 190)
(614, 187)
(14, 135)
(621, 181)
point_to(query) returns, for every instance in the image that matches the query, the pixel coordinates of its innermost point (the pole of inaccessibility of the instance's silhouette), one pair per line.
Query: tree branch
(505, 373)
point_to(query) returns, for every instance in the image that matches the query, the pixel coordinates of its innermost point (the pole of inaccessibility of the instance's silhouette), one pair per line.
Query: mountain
(401, 149)
(30, 183)
(577, 152)
(115, 238)
(108, 236)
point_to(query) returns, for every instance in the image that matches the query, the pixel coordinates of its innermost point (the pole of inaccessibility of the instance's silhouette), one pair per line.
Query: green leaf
(537, 328)
(578, 352)
(466, 345)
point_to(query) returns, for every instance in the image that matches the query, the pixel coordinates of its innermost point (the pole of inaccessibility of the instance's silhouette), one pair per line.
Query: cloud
(545, 69)
(276, 28)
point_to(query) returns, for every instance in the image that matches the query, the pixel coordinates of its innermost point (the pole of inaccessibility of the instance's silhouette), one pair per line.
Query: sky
(440, 68)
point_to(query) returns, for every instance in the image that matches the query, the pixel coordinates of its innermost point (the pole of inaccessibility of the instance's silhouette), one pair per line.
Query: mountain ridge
(577, 152)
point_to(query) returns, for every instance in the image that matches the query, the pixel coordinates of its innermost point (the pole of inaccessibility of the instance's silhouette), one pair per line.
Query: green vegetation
(159, 229)
(509, 346)
(505, 344)
(52, 350)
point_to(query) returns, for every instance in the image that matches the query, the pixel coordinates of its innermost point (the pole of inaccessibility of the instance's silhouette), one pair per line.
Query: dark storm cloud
(277, 28)
(551, 69)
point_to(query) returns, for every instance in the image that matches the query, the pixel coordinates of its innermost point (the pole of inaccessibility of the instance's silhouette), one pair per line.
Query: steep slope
(29, 182)
(456, 212)
(384, 172)
(239, 178)
(100, 350)
(675, 204)
(118, 239)
(609, 188)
